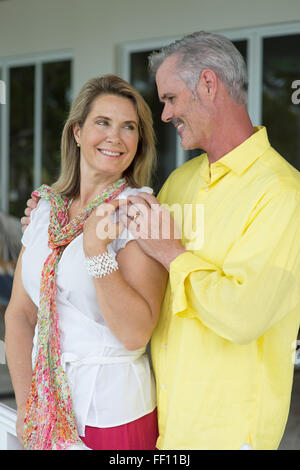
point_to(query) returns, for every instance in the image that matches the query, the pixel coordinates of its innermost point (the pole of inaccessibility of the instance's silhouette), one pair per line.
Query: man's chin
(187, 145)
(184, 144)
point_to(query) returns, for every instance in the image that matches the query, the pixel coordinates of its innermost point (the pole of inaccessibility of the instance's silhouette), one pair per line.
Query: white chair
(8, 436)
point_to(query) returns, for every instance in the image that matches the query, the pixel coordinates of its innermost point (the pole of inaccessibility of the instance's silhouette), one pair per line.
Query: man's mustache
(176, 121)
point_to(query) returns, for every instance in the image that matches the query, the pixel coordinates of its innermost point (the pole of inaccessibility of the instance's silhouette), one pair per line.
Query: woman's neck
(89, 191)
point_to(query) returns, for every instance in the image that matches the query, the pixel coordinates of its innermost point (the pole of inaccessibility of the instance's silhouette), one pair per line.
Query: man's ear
(208, 84)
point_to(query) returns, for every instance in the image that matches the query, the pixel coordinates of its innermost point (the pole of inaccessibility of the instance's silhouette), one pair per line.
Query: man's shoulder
(186, 168)
(279, 171)
(179, 178)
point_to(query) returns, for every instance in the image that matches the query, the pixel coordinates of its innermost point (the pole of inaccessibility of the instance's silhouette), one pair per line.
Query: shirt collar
(241, 157)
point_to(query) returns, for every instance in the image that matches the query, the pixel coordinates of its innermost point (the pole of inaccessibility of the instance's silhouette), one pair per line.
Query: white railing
(8, 437)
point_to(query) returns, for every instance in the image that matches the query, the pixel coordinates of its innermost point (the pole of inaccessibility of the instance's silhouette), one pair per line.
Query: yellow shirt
(223, 348)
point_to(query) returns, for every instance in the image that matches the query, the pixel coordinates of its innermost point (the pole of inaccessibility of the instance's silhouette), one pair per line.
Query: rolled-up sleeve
(258, 283)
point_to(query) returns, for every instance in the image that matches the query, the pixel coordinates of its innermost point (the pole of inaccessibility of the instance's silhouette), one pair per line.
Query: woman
(88, 302)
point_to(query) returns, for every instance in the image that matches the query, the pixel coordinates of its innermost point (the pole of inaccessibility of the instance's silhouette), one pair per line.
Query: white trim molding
(8, 436)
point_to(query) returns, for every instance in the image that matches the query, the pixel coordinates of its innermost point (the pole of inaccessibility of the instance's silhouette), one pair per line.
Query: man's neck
(229, 133)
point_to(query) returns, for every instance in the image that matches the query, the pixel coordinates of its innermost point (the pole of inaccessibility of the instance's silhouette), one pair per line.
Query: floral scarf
(49, 418)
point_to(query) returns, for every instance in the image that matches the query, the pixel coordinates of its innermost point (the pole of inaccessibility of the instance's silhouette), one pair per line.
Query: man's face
(181, 107)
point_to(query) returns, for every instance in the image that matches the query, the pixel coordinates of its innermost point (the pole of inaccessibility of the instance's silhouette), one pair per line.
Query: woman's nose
(113, 135)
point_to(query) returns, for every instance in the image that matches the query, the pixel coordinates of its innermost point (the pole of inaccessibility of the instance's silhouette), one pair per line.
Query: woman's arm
(130, 298)
(20, 321)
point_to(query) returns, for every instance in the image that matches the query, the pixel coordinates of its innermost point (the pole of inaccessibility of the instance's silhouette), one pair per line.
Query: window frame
(36, 60)
(254, 37)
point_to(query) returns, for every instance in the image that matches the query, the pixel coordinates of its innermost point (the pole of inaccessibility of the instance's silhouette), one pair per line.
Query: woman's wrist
(101, 265)
(95, 250)
(21, 406)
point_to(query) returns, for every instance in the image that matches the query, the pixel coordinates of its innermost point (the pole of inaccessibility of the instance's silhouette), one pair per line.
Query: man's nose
(167, 113)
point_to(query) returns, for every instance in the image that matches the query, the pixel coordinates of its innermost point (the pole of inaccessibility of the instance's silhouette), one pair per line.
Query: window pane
(21, 137)
(1, 104)
(242, 48)
(165, 133)
(281, 117)
(56, 104)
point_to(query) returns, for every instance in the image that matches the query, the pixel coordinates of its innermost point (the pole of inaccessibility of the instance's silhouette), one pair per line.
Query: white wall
(93, 29)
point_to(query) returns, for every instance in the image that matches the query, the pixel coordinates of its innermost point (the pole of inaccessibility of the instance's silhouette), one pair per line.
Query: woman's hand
(31, 204)
(99, 229)
(20, 423)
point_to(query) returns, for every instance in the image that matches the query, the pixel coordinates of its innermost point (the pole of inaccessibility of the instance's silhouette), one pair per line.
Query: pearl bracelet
(101, 265)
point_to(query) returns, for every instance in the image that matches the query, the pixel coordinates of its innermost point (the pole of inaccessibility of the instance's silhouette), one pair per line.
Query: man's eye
(171, 99)
(102, 123)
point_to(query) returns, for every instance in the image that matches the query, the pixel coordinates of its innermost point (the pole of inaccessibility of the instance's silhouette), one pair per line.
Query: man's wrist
(170, 255)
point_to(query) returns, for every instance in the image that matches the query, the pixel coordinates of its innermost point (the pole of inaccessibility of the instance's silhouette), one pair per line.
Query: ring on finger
(135, 216)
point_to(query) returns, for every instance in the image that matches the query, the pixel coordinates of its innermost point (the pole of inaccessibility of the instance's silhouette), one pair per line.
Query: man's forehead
(167, 68)
(167, 78)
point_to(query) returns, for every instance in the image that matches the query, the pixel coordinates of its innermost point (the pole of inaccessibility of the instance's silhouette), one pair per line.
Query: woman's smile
(110, 153)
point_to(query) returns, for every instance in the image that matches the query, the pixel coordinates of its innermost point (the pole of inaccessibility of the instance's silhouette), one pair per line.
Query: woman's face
(109, 136)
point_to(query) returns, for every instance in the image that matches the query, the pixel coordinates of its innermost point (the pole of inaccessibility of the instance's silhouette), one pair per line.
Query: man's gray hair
(201, 50)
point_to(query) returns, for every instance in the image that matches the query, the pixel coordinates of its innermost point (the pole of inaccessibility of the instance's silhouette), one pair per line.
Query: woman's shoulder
(39, 218)
(129, 191)
(42, 210)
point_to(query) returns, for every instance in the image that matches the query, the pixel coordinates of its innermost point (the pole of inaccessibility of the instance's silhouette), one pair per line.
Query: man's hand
(99, 229)
(31, 204)
(153, 227)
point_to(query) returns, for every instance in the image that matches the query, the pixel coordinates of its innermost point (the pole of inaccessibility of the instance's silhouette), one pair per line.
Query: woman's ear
(76, 132)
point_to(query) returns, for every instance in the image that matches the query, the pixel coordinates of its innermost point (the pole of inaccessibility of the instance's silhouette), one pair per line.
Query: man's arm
(258, 282)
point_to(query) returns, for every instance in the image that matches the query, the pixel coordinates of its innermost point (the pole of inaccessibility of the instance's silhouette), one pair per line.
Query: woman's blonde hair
(140, 171)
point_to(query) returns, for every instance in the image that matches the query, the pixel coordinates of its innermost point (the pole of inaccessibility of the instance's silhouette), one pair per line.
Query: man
(222, 350)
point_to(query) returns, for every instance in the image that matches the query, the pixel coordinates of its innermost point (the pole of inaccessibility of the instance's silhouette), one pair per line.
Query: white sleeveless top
(110, 385)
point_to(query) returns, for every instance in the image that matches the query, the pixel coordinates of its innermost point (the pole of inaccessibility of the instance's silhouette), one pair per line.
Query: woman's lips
(110, 153)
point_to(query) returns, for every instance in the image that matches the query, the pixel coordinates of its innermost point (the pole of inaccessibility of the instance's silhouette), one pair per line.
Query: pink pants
(140, 434)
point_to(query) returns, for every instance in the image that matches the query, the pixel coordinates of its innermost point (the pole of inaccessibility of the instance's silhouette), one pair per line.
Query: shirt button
(165, 346)
(163, 386)
(207, 188)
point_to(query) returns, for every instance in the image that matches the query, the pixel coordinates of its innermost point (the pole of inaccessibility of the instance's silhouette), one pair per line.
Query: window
(165, 134)
(271, 55)
(21, 137)
(281, 67)
(38, 96)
